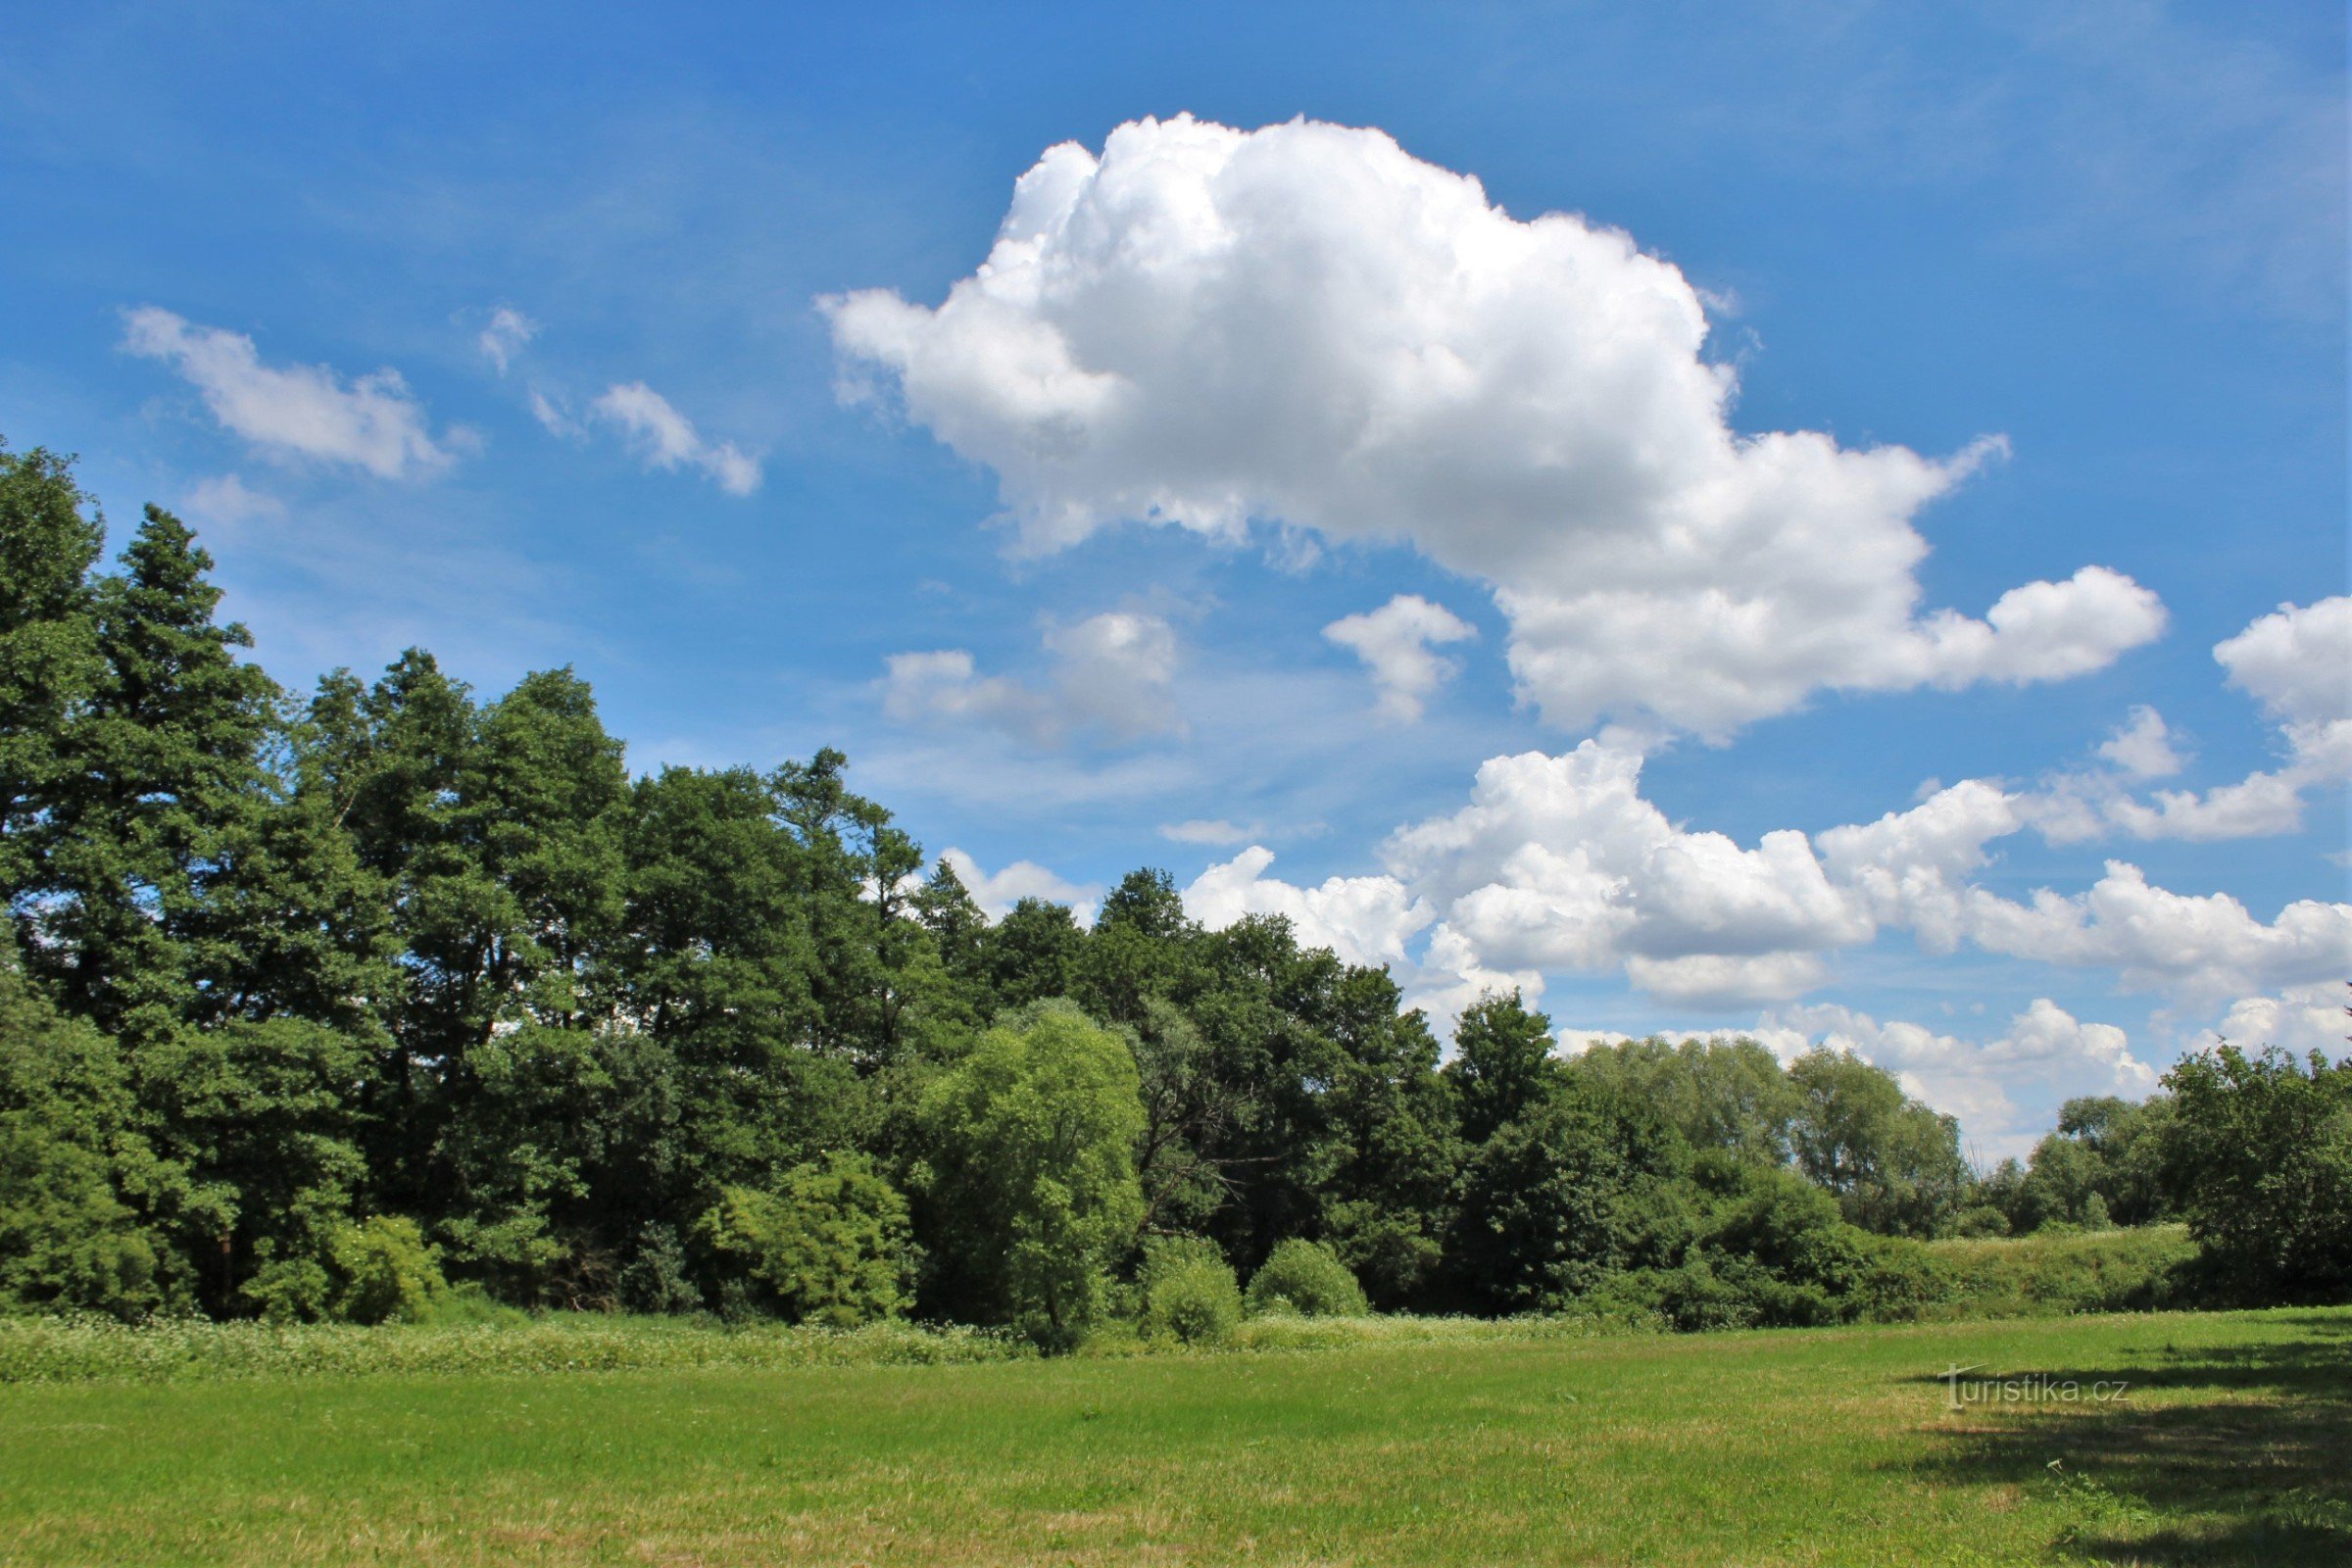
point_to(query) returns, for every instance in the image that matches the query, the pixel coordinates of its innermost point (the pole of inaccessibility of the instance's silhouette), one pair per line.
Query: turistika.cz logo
(2024, 1387)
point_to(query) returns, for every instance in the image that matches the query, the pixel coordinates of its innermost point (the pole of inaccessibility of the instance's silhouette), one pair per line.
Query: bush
(1189, 1292)
(1980, 1220)
(829, 1248)
(1308, 1278)
(388, 1274)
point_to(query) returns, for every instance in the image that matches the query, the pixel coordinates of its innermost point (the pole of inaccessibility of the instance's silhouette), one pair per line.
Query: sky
(1824, 521)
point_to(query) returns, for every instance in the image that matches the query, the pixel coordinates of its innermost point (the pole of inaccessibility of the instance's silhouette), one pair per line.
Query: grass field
(1834, 1447)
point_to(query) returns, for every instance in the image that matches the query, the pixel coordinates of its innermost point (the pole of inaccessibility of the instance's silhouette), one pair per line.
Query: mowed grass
(1818, 1447)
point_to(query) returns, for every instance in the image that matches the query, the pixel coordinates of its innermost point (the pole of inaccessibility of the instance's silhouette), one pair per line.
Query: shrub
(828, 1247)
(389, 1275)
(1980, 1220)
(1189, 1292)
(1311, 1279)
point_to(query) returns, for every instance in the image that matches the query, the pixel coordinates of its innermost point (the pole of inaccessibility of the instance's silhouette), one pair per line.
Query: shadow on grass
(2216, 1455)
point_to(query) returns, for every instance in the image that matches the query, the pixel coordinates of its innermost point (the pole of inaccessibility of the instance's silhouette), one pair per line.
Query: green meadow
(1380, 1442)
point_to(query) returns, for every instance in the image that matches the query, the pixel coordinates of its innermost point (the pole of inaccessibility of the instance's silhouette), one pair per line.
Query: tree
(1583, 1187)
(158, 773)
(1030, 1186)
(51, 537)
(1503, 1063)
(2261, 1165)
(1894, 1165)
(1032, 952)
(1307, 1278)
(71, 1163)
(1729, 1095)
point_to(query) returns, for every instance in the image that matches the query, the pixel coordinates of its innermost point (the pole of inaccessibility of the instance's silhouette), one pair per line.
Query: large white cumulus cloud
(1305, 325)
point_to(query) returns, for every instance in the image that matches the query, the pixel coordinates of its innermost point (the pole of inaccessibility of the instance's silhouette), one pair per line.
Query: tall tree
(163, 772)
(51, 537)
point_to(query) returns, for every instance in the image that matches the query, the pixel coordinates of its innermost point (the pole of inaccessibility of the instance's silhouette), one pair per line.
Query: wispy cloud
(503, 338)
(294, 412)
(663, 438)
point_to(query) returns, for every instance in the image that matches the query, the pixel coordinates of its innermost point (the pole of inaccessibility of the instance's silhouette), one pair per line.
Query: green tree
(1032, 953)
(2261, 1165)
(71, 1164)
(1894, 1165)
(1307, 1278)
(1030, 1182)
(159, 772)
(51, 537)
(1581, 1187)
(1504, 1062)
(1188, 1291)
(1729, 1095)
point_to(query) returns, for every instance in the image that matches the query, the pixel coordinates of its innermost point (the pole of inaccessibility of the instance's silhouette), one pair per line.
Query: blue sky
(2112, 238)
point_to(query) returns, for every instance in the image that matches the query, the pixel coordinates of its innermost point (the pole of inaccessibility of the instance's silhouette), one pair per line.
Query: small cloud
(295, 411)
(1396, 642)
(1212, 831)
(1114, 673)
(226, 502)
(2143, 747)
(554, 419)
(509, 330)
(663, 438)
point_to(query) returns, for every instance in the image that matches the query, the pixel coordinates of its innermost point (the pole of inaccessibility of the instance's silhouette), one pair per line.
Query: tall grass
(2054, 1273)
(192, 1350)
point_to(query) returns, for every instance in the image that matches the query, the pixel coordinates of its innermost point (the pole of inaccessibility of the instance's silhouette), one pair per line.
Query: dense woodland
(385, 998)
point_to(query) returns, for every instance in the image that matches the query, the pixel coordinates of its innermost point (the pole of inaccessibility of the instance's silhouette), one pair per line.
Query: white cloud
(296, 411)
(554, 419)
(1114, 674)
(1559, 864)
(503, 338)
(2191, 946)
(1364, 919)
(997, 893)
(1306, 327)
(2297, 664)
(663, 438)
(2142, 748)
(1397, 643)
(2301, 1019)
(1210, 831)
(227, 502)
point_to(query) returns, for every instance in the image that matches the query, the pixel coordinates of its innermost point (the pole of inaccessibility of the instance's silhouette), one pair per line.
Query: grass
(1397, 1443)
(2080, 1271)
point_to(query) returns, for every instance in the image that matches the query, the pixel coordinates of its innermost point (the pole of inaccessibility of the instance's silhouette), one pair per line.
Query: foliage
(2262, 1161)
(388, 1274)
(1894, 1165)
(1583, 1187)
(1030, 1172)
(831, 1246)
(1188, 1291)
(2061, 1272)
(1307, 1278)
(311, 997)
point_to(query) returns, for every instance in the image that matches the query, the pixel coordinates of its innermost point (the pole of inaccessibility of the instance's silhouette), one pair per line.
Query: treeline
(375, 1001)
